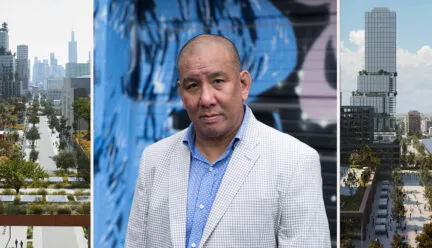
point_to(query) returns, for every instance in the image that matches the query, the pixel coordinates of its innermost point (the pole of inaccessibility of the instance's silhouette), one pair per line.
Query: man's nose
(207, 98)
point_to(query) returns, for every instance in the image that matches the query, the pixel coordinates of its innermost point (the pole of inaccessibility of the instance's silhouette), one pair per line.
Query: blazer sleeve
(303, 220)
(137, 226)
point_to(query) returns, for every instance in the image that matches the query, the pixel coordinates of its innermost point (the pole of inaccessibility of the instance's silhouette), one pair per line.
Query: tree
(33, 135)
(398, 210)
(365, 177)
(404, 160)
(64, 133)
(424, 240)
(375, 244)
(347, 243)
(34, 155)
(411, 158)
(16, 171)
(404, 147)
(65, 160)
(424, 175)
(34, 119)
(399, 242)
(421, 149)
(53, 122)
(351, 181)
(365, 158)
(82, 110)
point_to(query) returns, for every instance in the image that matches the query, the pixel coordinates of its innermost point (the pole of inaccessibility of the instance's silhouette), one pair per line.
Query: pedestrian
(21, 243)
(16, 243)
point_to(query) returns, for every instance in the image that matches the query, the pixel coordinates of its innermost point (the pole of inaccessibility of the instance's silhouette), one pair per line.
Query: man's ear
(180, 91)
(245, 84)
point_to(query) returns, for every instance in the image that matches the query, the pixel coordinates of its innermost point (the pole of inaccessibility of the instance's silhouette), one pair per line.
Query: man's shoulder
(284, 142)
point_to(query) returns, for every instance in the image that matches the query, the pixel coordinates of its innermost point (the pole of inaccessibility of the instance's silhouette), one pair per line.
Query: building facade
(4, 37)
(77, 70)
(413, 123)
(22, 67)
(376, 85)
(72, 51)
(73, 89)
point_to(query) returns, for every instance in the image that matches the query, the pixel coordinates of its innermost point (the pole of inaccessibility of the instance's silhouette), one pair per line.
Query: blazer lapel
(178, 182)
(242, 161)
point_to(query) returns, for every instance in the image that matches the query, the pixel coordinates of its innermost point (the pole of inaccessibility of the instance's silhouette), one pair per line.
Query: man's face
(212, 90)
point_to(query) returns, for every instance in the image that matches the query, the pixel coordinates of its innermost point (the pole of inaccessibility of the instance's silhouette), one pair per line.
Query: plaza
(417, 213)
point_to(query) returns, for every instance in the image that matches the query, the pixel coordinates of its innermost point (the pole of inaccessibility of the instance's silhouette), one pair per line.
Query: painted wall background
(288, 46)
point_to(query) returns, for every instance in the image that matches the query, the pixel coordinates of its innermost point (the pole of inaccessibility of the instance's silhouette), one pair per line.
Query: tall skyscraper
(73, 58)
(23, 67)
(376, 85)
(4, 37)
(9, 83)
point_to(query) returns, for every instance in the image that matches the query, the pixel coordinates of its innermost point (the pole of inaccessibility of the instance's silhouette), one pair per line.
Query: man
(228, 180)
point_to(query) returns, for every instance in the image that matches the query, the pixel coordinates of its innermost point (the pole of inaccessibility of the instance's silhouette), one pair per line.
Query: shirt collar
(189, 139)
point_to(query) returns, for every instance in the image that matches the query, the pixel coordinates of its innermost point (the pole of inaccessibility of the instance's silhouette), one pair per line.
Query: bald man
(227, 180)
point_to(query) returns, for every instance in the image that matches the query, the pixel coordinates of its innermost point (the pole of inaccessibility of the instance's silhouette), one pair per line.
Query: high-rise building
(413, 124)
(73, 89)
(73, 57)
(4, 38)
(9, 82)
(77, 70)
(23, 67)
(376, 85)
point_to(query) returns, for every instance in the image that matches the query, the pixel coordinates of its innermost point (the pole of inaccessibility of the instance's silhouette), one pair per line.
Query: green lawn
(352, 203)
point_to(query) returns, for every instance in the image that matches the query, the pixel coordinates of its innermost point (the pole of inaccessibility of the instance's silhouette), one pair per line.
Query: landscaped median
(42, 202)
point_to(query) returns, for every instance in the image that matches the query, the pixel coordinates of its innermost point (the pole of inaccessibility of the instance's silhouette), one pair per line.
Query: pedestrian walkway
(418, 213)
(54, 237)
(9, 235)
(46, 145)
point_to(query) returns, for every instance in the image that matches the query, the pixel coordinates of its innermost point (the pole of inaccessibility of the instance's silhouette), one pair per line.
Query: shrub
(61, 192)
(30, 232)
(52, 208)
(86, 207)
(36, 209)
(29, 244)
(2, 208)
(8, 192)
(71, 197)
(17, 200)
(64, 210)
(12, 209)
(42, 192)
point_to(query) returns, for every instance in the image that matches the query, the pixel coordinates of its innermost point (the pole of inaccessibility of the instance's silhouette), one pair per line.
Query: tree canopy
(16, 171)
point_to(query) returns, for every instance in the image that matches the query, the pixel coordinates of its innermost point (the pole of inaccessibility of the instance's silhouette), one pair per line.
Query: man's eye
(218, 81)
(191, 85)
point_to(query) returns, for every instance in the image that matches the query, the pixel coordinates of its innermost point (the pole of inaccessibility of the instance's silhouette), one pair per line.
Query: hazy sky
(46, 25)
(413, 56)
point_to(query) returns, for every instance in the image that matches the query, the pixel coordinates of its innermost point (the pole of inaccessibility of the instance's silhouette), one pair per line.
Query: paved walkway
(8, 235)
(416, 216)
(54, 237)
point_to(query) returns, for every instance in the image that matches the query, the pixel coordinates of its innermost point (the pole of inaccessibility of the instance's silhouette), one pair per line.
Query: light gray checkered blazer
(270, 195)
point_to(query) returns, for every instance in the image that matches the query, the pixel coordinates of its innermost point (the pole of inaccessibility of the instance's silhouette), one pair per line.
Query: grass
(352, 203)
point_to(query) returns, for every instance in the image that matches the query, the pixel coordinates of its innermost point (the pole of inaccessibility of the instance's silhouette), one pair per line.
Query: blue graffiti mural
(287, 46)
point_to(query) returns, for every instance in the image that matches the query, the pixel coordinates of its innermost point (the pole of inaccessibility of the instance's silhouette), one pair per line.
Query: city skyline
(47, 31)
(413, 57)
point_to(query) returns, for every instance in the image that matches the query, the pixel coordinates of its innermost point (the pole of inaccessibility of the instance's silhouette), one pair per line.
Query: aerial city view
(44, 130)
(385, 126)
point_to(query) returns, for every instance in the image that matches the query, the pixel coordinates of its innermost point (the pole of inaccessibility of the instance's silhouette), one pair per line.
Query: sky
(46, 25)
(413, 56)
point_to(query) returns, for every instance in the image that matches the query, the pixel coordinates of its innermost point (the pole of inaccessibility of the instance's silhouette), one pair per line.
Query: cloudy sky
(414, 50)
(46, 25)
